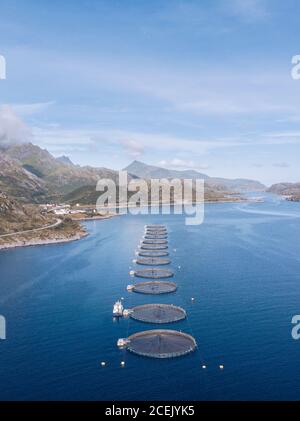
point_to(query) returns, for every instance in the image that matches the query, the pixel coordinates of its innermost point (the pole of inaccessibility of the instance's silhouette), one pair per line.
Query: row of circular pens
(154, 256)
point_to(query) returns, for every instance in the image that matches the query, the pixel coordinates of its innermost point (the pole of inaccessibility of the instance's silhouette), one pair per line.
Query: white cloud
(182, 164)
(134, 143)
(12, 128)
(199, 88)
(248, 10)
(281, 165)
(133, 147)
(26, 110)
(281, 138)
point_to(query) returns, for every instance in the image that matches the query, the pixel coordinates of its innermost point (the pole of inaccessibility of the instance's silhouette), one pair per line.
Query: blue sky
(203, 84)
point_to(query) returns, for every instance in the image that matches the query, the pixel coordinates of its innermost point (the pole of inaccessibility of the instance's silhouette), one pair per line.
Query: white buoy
(179, 267)
(193, 299)
(103, 363)
(204, 367)
(123, 364)
(221, 367)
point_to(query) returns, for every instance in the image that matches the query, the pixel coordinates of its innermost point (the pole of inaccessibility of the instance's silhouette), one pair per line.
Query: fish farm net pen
(155, 288)
(152, 261)
(155, 237)
(154, 247)
(153, 253)
(154, 241)
(155, 229)
(156, 232)
(161, 343)
(158, 313)
(154, 273)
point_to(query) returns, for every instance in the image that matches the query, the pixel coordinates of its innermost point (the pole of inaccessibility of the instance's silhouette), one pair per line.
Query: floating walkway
(158, 313)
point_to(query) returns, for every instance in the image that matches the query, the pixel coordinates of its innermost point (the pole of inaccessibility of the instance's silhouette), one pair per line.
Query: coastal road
(56, 224)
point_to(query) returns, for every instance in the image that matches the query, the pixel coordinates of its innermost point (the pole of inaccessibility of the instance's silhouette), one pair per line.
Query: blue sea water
(243, 268)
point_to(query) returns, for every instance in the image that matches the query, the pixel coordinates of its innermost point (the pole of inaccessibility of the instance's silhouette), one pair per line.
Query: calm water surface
(243, 268)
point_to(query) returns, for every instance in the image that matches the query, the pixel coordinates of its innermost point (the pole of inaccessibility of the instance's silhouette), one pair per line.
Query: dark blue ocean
(242, 266)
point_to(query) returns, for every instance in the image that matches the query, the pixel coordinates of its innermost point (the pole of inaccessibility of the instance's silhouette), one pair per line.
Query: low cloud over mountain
(12, 129)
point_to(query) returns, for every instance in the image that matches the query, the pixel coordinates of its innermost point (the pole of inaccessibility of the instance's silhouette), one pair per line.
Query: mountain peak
(142, 170)
(65, 160)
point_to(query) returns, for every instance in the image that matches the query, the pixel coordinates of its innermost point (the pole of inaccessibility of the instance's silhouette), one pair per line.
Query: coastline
(33, 243)
(82, 233)
(94, 218)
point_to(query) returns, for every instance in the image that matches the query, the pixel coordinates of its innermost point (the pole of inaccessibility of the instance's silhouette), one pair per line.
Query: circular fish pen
(154, 247)
(153, 253)
(156, 234)
(158, 313)
(159, 230)
(155, 237)
(154, 273)
(155, 288)
(161, 343)
(155, 241)
(153, 261)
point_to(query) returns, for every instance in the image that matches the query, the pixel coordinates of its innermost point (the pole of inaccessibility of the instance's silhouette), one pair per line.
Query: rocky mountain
(25, 225)
(57, 178)
(31, 174)
(143, 170)
(65, 160)
(291, 190)
(15, 217)
(18, 182)
(88, 195)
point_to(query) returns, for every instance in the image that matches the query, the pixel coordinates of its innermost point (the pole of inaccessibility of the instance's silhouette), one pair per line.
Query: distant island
(291, 191)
